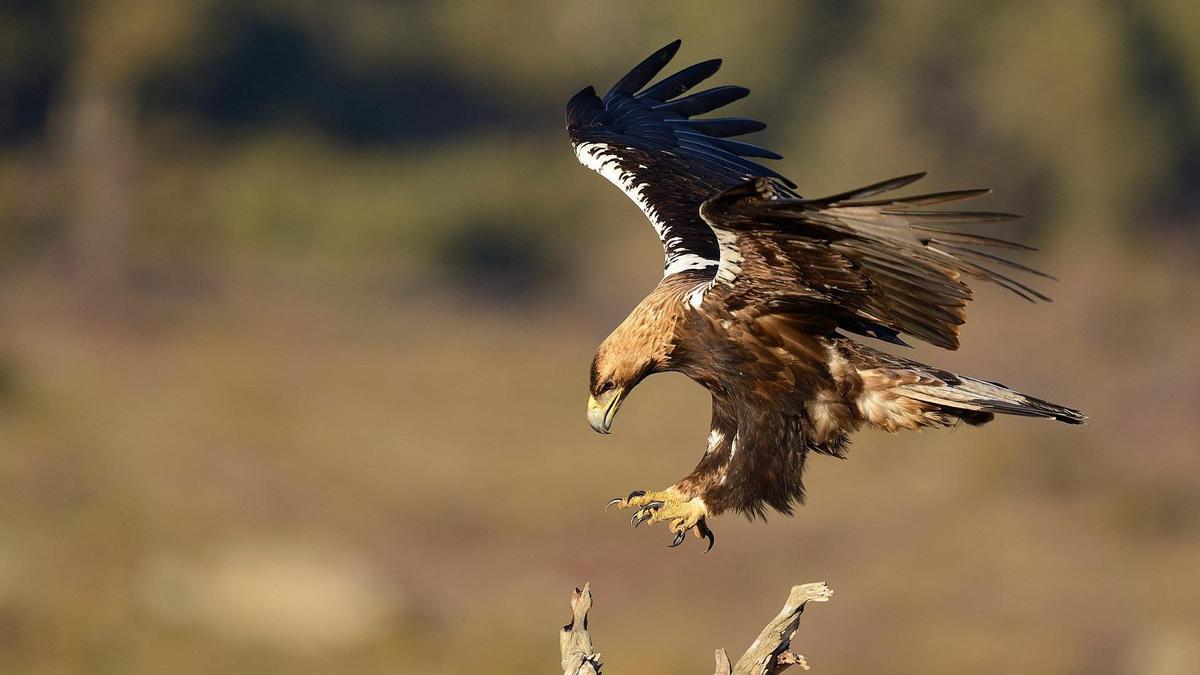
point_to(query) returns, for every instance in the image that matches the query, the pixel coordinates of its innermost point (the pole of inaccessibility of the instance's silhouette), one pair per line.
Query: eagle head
(614, 375)
(623, 360)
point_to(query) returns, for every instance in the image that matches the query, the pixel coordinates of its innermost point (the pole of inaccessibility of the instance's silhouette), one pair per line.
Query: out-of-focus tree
(112, 47)
(191, 138)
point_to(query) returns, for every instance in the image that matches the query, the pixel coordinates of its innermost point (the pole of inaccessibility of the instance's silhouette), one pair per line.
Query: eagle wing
(878, 267)
(645, 141)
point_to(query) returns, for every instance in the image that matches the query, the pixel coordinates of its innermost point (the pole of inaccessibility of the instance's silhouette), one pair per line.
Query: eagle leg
(680, 512)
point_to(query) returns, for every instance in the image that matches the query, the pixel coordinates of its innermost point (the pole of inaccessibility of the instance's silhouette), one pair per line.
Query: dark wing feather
(642, 139)
(705, 101)
(865, 266)
(643, 72)
(720, 127)
(670, 87)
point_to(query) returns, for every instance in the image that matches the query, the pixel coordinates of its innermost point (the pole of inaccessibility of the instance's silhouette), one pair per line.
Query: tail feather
(899, 393)
(980, 396)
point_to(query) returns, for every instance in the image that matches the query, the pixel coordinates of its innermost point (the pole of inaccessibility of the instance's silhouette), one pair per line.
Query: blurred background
(299, 300)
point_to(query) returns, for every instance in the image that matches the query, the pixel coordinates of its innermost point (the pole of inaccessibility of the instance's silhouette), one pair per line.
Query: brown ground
(286, 480)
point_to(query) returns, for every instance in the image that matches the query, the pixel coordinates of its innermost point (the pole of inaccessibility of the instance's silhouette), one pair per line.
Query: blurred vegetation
(299, 299)
(166, 143)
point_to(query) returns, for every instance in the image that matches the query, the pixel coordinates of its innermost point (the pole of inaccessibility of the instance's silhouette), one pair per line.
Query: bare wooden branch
(770, 653)
(575, 645)
(723, 667)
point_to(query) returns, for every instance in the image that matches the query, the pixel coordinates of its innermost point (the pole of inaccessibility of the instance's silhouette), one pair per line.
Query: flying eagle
(761, 287)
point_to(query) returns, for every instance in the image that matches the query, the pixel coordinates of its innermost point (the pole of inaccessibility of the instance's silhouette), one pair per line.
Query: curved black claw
(617, 501)
(678, 539)
(706, 533)
(645, 513)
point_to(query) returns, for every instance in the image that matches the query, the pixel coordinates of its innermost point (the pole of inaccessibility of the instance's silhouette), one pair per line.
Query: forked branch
(770, 653)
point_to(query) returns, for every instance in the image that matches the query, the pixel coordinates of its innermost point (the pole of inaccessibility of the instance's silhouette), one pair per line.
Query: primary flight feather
(760, 287)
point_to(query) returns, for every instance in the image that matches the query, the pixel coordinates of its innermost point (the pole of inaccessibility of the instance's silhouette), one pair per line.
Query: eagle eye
(607, 386)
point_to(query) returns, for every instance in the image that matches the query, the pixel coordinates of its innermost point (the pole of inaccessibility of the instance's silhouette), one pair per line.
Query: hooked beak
(602, 409)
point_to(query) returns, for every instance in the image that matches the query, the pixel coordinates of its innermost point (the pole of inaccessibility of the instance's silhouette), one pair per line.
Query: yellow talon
(679, 511)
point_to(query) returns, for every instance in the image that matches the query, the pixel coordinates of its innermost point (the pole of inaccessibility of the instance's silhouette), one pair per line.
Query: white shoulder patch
(728, 269)
(715, 439)
(731, 258)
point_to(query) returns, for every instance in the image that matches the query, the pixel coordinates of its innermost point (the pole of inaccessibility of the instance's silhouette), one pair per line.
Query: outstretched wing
(644, 140)
(876, 267)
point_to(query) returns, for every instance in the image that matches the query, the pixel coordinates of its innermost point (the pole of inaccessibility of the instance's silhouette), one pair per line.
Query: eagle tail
(976, 401)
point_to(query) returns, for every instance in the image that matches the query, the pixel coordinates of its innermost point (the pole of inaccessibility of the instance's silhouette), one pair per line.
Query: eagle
(762, 290)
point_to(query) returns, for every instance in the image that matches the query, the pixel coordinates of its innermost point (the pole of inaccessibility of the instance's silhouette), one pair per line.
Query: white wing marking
(728, 269)
(599, 157)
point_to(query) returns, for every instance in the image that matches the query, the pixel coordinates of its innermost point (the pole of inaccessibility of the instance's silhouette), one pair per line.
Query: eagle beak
(603, 409)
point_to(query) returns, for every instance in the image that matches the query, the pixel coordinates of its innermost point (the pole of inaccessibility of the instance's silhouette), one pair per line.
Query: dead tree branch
(770, 653)
(574, 642)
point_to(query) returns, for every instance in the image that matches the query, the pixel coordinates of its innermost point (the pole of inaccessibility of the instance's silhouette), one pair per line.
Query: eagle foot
(679, 512)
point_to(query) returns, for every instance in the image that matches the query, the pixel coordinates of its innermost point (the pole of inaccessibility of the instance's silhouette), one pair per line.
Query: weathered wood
(575, 645)
(723, 666)
(770, 653)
